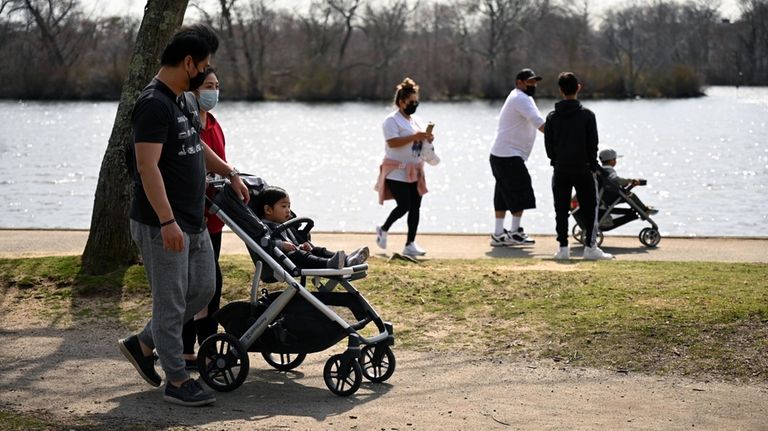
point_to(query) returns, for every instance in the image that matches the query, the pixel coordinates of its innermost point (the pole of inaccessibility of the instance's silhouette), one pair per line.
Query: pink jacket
(414, 172)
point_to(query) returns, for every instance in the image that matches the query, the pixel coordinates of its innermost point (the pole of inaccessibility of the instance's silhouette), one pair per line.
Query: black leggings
(408, 201)
(316, 258)
(205, 327)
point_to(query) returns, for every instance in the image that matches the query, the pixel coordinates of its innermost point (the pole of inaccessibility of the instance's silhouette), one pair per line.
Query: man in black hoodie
(570, 138)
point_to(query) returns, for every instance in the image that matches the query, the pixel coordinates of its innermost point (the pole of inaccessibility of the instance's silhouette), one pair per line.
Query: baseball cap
(608, 154)
(527, 74)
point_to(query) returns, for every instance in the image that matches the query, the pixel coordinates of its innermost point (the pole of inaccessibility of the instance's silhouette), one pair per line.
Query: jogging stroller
(285, 326)
(612, 212)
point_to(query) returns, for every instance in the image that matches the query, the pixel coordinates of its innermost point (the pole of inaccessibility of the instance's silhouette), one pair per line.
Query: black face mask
(410, 108)
(197, 81)
(530, 90)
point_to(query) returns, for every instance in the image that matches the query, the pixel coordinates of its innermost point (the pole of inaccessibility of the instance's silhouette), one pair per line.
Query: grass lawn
(706, 320)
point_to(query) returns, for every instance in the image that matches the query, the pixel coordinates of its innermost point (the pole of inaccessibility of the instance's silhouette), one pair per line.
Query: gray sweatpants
(182, 284)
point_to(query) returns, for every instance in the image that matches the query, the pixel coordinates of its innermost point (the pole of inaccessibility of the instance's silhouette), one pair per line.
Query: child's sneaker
(413, 249)
(337, 260)
(145, 365)
(381, 238)
(595, 253)
(190, 393)
(358, 256)
(563, 253)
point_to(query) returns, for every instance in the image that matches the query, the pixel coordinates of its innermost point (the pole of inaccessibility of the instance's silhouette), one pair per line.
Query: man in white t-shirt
(518, 121)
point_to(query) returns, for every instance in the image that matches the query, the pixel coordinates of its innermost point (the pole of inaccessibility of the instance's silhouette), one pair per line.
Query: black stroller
(612, 213)
(285, 326)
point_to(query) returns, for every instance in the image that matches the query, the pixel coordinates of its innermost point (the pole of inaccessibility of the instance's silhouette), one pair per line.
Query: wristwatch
(234, 172)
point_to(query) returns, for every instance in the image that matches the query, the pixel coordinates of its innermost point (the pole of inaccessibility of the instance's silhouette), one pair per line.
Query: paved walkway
(26, 243)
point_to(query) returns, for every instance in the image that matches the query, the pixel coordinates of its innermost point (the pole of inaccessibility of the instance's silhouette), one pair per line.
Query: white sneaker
(563, 253)
(520, 237)
(413, 249)
(500, 240)
(381, 238)
(594, 253)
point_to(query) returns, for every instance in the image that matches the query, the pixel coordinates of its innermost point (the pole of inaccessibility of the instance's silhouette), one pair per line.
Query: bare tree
(347, 9)
(755, 39)
(385, 28)
(258, 33)
(109, 243)
(621, 31)
(499, 22)
(63, 34)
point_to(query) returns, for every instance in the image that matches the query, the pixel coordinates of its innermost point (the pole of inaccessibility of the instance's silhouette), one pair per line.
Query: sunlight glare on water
(706, 161)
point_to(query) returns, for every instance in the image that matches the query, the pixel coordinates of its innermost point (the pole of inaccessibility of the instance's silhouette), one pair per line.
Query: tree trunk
(109, 243)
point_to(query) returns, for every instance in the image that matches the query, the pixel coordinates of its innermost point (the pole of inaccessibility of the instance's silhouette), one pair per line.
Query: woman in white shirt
(401, 175)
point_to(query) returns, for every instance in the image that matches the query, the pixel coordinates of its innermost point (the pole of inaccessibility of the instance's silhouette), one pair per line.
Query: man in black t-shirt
(167, 211)
(570, 138)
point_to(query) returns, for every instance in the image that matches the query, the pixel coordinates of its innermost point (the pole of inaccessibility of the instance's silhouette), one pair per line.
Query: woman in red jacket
(203, 326)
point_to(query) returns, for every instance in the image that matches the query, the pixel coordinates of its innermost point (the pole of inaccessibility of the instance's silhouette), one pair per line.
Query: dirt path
(79, 372)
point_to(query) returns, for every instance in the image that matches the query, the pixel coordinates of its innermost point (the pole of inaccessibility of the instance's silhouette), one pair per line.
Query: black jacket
(570, 137)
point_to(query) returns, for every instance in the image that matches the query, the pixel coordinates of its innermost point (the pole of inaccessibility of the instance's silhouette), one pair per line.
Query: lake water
(706, 161)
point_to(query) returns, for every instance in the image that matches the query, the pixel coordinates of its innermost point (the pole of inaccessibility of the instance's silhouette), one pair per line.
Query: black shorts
(513, 191)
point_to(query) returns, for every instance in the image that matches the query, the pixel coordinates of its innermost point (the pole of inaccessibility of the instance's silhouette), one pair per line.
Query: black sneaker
(519, 237)
(145, 365)
(190, 393)
(526, 238)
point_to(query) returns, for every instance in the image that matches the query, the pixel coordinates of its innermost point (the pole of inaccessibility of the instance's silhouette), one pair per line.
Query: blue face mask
(208, 99)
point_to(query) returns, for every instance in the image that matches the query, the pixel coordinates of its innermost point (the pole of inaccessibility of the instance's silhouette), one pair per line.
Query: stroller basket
(287, 325)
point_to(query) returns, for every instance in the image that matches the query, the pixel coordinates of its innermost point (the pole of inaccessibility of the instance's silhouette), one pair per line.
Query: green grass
(699, 319)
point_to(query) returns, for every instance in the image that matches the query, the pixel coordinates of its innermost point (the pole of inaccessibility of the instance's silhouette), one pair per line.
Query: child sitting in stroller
(274, 208)
(608, 159)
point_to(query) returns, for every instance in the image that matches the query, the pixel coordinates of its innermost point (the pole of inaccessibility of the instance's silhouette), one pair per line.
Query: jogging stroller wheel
(649, 237)
(342, 374)
(284, 361)
(377, 362)
(223, 362)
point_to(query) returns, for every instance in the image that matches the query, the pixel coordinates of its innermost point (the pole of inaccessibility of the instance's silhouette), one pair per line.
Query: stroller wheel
(284, 361)
(342, 374)
(223, 362)
(378, 363)
(649, 237)
(577, 233)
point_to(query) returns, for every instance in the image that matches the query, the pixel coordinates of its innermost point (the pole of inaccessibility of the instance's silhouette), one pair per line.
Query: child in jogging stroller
(284, 326)
(618, 205)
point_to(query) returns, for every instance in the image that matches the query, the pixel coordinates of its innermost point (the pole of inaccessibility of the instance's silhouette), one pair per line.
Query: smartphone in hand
(430, 126)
